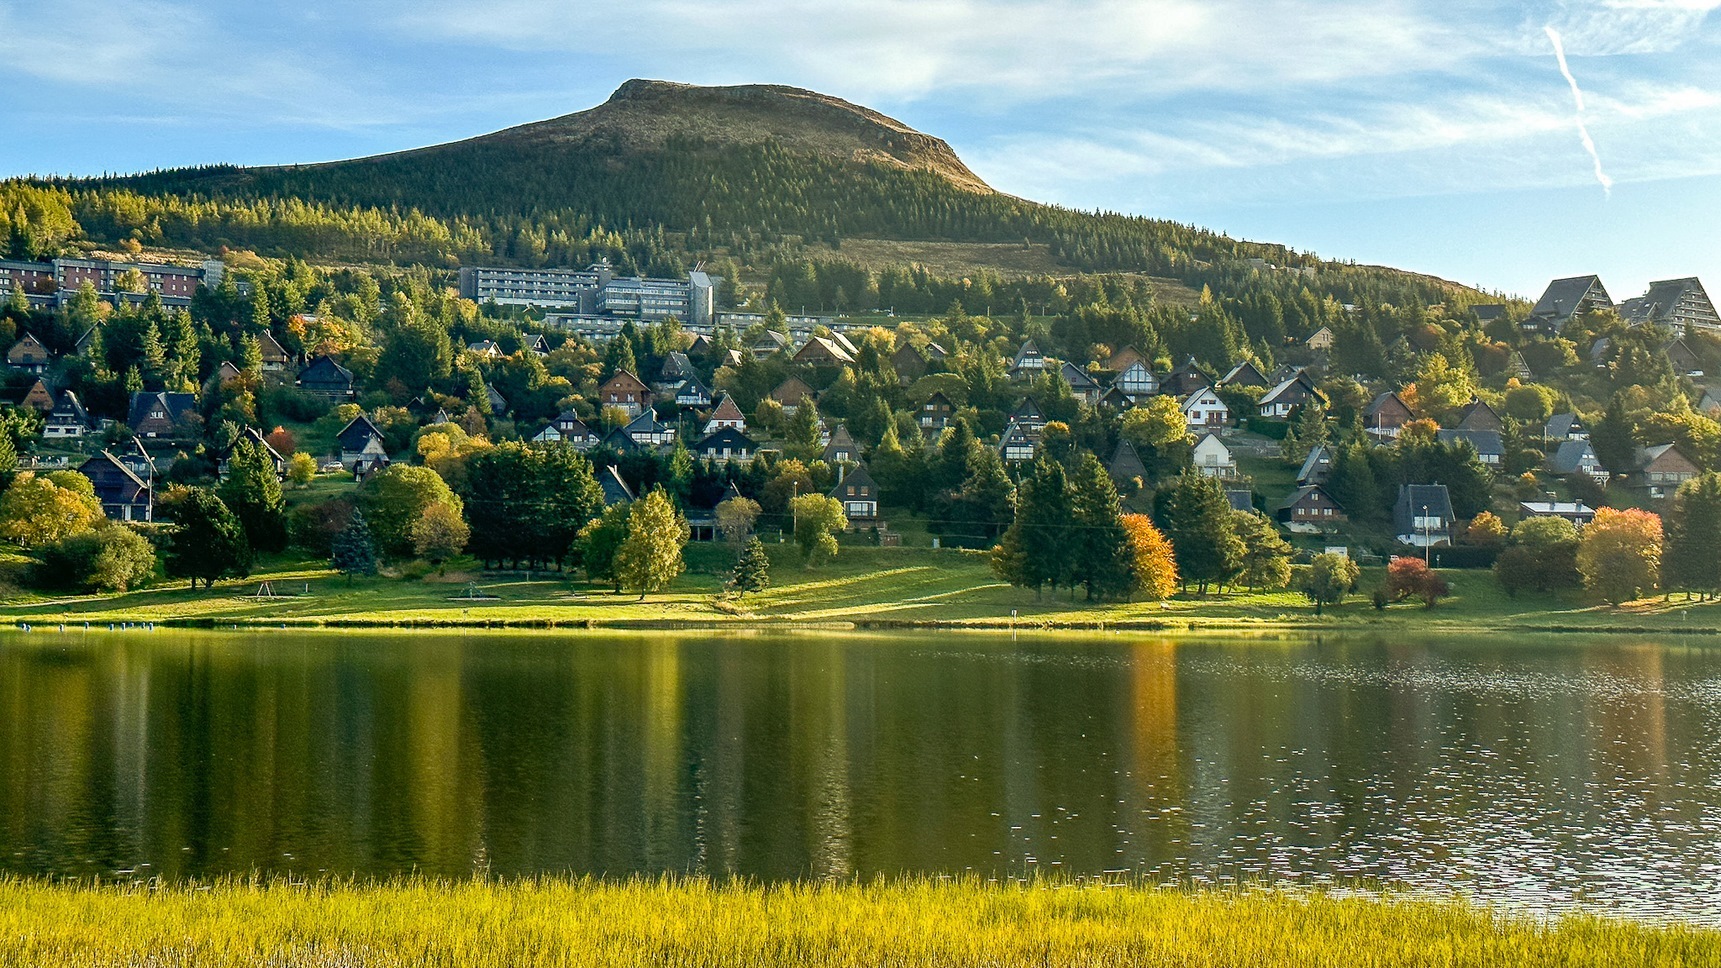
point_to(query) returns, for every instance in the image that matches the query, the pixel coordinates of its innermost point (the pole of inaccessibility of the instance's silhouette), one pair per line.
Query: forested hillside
(657, 178)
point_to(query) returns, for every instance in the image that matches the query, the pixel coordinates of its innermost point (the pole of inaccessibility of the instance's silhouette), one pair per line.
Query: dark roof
(1412, 498)
(614, 488)
(1241, 498)
(735, 439)
(1246, 374)
(676, 367)
(1126, 462)
(856, 478)
(1382, 401)
(71, 406)
(1563, 297)
(326, 371)
(1561, 424)
(1316, 466)
(1486, 442)
(1076, 378)
(1568, 458)
(1479, 416)
(1297, 496)
(358, 430)
(646, 423)
(1489, 312)
(176, 405)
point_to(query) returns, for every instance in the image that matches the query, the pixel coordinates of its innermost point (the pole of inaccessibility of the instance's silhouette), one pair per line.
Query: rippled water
(1541, 773)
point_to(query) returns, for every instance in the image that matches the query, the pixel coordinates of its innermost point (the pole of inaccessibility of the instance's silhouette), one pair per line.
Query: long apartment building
(49, 284)
(1681, 305)
(594, 292)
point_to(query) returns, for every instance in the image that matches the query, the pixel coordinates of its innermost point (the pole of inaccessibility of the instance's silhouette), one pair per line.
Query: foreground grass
(913, 922)
(863, 585)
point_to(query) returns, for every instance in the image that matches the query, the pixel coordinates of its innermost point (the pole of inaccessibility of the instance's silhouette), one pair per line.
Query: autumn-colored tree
(736, 517)
(301, 470)
(38, 510)
(1408, 577)
(818, 519)
(1153, 565)
(440, 533)
(650, 557)
(1327, 580)
(283, 441)
(1486, 530)
(1619, 555)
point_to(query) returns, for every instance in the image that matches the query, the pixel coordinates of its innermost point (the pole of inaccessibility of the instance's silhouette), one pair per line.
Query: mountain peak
(643, 114)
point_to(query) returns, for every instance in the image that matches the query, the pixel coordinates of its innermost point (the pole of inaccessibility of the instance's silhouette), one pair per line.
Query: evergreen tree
(600, 541)
(354, 552)
(207, 541)
(1614, 439)
(252, 491)
(1692, 556)
(1100, 552)
(753, 568)
(1200, 522)
(1035, 551)
(1351, 483)
(1266, 560)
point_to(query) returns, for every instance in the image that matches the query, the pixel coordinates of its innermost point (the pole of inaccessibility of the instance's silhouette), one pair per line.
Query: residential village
(920, 429)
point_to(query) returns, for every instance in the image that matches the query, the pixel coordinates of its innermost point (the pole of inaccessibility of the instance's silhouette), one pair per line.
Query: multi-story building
(48, 284)
(1679, 304)
(595, 292)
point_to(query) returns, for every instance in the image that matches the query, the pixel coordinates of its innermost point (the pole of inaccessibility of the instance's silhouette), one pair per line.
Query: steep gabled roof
(1317, 466)
(1486, 442)
(725, 435)
(1564, 297)
(792, 392)
(727, 410)
(1029, 351)
(857, 478)
(1385, 400)
(624, 382)
(1126, 463)
(1570, 456)
(1245, 374)
(1479, 416)
(1078, 379)
(615, 489)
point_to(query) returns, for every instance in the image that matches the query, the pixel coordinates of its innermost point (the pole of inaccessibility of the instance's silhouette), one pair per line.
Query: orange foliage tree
(1619, 555)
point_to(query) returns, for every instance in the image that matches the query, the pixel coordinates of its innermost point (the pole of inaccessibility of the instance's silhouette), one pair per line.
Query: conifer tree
(753, 568)
(1035, 551)
(1266, 558)
(207, 542)
(252, 491)
(1100, 553)
(354, 550)
(1692, 554)
(1199, 520)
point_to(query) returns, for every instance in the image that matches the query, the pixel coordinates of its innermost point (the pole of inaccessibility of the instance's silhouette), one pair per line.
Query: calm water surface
(1544, 772)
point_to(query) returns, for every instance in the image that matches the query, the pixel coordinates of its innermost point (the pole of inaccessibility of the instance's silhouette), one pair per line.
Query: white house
(1212, 458)
(1205, 411)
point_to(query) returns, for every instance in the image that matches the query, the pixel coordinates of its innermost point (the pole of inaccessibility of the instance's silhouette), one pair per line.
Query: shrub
(112, 558)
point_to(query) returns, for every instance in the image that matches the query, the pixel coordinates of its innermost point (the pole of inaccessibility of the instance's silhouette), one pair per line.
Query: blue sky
(1435, 135)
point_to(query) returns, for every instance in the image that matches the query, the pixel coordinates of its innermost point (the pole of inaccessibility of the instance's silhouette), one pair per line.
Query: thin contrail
(1578, 96)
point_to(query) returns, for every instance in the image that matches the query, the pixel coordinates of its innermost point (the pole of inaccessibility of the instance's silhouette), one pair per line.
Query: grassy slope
(913, 922)
(863, 585)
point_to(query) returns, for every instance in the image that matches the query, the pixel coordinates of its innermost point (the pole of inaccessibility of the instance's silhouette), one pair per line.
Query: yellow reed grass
(912, 922)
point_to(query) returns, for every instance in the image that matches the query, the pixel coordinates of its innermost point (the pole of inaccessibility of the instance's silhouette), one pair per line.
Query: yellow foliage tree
(1152, 562)
(1619, 555)
(35, 511)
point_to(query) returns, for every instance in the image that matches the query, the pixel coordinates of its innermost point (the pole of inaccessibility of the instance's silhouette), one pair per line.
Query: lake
(1541, 773)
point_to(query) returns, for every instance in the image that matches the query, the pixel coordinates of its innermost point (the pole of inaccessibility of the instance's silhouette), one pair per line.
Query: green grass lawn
(911, 922)
(863, 585)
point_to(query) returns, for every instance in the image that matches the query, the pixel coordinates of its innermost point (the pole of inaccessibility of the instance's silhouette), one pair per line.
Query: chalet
(1126, 466)
(1488, 312)
(1116, 399)
(1684, 358)
(154, 415)
(498, 403)
(568, 429)
(791, 393)
(724, 445)
(359, 440)
(1710, 402)
(1185, 380)
(1212, 458)
(1018, 443)
(1205, 411)
(1245, 374)
(1681, 305)
(769, 344)
(1029, 361)
(1577, 457)
(908, 363)
(1137, 380)
(1422, 516)
(1241, 499)
(701, 346)
(327, 379)
(647, 431)
(1289, 395)
(68, 420)
(843, 342)
(625, 392)
(485, 349)
(1517, 366)
(677, 368)
(123, 493)
(823, 351)
(936, 412)
(1081, 385)
(1565, 300)
(1027, 414)
(1566, 426)
(841, 446)
(1317, 467)
(859, 496)
(1386, 415)
(1578, 513)
(727, 415)
(225, 375)
(1311, 510)
(615, 489)
(1480, 416)
(275, 356)
(1489, 446)
(37, 397)
(535, 344)
(1663, 468)
(692, 393)
(618, 441)
(1321, 341)
(1124, 359)
(29, 355)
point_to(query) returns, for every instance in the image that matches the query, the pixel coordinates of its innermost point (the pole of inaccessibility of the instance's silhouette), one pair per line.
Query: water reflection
(1537, 772)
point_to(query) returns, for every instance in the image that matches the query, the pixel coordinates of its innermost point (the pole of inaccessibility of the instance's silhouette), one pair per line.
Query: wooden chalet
(724, 445)
(791, 393)
(728, 415)
(36, 397)
(125, 495)
(29, 355)
(1662, 468)
(936, 412)
(1126, 465)
(1386, 414)
(1311, 510)
(327, 379)
(1029, 361)
(68, 420)
(1245, 374)
(1081, 385)
(1479, 416)
(822, 351)
(1185, 380)
(276, 359)
(160, 414)
(1282, 399)
(858, 493)
(841, 447)
(626, 392)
